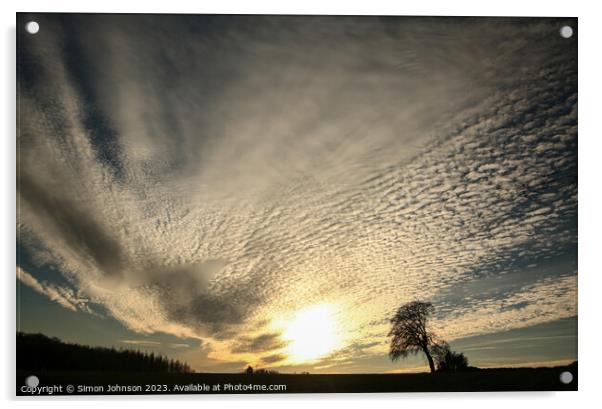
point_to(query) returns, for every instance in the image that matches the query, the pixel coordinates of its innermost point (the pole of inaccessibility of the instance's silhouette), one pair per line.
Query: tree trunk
(430, 359)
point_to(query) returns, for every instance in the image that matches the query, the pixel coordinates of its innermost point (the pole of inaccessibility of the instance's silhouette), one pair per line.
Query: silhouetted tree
(249, 370)
(410, 333)
(447, 360)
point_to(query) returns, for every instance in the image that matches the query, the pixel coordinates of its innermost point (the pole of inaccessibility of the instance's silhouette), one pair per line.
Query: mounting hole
(566, 31)
(32, 381)
(566, 377)
(32, 27)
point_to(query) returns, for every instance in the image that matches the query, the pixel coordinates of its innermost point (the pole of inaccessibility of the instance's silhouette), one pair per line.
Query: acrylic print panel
(282, 204)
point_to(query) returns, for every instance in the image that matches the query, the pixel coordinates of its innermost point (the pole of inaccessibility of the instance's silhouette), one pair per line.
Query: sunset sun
(311, 333)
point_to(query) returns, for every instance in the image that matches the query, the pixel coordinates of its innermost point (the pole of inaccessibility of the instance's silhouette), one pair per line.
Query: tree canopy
(409, 331)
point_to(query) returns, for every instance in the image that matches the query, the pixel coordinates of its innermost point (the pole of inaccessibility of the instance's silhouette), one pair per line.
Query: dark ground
(523, 379)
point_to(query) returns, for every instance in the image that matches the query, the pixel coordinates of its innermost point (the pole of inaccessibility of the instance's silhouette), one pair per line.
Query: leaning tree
(410, 333)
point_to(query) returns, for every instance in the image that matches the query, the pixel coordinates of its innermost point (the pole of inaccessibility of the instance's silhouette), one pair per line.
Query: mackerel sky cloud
(209, 177)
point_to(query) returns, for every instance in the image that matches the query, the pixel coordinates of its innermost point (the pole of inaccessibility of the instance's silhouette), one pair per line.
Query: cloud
(153, 344)
(547, 297)
(271, 359)
(535, 364)
(64, 296)
(77, 228)
(258, 344)
(362, 162)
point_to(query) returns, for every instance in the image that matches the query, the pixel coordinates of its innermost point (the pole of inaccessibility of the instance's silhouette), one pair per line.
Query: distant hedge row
(37, 351)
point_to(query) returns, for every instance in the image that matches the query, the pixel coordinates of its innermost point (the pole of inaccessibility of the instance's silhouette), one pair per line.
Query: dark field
(527, 379)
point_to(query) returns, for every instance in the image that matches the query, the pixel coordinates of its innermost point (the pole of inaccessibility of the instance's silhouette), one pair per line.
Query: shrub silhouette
(447, 360)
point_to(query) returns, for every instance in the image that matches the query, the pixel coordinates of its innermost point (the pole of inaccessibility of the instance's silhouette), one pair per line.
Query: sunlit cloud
(153, 344)
(65, 297)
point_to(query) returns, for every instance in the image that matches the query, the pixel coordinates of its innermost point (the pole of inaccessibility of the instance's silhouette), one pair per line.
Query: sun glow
(312, 333)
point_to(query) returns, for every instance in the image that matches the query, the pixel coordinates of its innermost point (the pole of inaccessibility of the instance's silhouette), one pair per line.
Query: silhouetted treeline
(266, 372)
(251, 371)
(37, 351)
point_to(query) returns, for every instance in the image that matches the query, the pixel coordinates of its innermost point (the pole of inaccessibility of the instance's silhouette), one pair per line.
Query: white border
(589, 196)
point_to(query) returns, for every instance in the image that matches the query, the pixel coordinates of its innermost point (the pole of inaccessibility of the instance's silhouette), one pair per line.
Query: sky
(267, 190)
